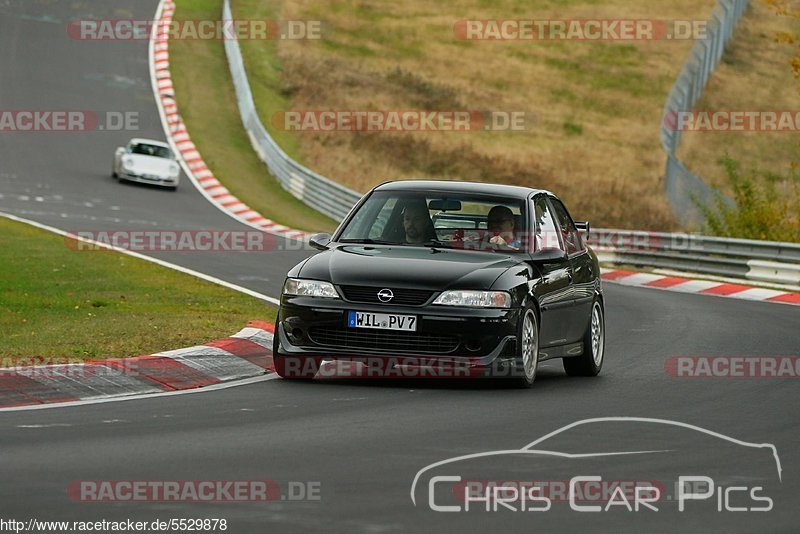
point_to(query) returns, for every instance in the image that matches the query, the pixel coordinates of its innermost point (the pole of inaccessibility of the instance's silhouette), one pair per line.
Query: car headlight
(475, 299)
(127, 163)
(309, 288)
(174, 170)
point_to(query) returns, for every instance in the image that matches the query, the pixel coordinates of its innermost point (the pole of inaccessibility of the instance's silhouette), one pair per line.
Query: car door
(554, 292)
(582, 268)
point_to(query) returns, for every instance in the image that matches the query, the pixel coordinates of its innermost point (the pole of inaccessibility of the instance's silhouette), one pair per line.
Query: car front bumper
(316, 327)
(150, 179)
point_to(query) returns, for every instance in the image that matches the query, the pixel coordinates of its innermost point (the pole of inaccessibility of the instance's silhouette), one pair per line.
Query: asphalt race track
(63, 179)
(362, 442)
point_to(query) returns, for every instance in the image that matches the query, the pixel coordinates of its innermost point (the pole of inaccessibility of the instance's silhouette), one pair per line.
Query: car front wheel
(527, 360)
(295, 368)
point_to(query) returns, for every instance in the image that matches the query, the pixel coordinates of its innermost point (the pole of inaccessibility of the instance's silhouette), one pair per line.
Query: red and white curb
(246, 354)
(178, 137)
(701, 287)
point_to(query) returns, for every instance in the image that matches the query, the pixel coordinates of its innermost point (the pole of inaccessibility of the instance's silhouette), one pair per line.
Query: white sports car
(147, 161)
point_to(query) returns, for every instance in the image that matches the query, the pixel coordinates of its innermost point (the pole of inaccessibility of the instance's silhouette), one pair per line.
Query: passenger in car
(500, 223)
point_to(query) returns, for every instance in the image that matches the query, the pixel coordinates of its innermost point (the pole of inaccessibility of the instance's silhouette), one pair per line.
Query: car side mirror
(549, 255)
(582, 226)
(320, 241)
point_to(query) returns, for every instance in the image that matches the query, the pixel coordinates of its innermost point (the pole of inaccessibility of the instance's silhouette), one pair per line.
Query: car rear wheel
(591, 361)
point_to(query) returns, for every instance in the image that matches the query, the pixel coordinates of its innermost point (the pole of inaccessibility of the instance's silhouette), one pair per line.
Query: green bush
(765, 207)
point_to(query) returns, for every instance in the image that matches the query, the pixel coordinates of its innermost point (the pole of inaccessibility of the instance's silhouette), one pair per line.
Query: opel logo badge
(385, 295)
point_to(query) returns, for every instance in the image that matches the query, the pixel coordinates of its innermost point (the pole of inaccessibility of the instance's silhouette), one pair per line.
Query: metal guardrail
(683, 188)
(322, 194)
(766, 261)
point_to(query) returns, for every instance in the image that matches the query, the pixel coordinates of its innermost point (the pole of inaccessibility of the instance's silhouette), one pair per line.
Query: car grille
(419, 344)
(402, 297)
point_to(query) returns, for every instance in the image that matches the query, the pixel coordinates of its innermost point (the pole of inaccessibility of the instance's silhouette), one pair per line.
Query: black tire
(114, 175)
(296, 368)
(527, 353)
(591, 361)
(293, 367)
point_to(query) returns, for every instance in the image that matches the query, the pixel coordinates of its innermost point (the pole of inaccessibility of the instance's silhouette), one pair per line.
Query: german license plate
(382, 321)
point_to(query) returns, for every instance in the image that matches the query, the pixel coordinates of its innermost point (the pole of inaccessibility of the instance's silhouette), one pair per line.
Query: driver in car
(417, 224)
(500, 223)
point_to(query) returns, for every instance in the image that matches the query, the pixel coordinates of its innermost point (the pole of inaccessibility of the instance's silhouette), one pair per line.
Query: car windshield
(439, 219)
(151, 150)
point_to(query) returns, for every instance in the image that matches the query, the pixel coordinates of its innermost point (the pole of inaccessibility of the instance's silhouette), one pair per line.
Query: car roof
(148, 142)
(514, 191)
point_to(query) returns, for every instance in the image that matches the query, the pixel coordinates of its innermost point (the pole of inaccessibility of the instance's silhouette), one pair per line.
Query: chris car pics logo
(461, 484)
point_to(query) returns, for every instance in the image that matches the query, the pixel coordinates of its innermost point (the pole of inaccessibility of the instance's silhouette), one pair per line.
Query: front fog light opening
(473, 345)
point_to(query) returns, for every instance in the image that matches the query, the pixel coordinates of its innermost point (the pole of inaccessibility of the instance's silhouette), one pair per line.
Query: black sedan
(467, 278)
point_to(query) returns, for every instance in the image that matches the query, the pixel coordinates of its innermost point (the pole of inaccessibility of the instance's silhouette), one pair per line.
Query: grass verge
(207, 103)
(58, 303)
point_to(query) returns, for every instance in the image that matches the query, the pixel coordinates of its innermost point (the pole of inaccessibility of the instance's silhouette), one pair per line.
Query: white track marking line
(213, 387)
(639, 279)
(757, 293)
(693, 286)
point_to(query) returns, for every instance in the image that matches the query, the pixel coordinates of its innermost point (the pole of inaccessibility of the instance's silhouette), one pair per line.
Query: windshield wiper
(435, 243)
(368, 241)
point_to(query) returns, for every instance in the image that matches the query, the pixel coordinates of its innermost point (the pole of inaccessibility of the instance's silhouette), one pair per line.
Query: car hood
(150, 164)
(412, 267)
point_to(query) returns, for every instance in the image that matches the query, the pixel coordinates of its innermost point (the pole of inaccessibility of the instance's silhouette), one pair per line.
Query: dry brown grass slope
(597, 105)
(754, 75)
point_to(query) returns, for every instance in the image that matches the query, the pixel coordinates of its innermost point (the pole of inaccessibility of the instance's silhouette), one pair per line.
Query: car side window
(383, 217)
(362, 220)
(572, 238)
(546, 231)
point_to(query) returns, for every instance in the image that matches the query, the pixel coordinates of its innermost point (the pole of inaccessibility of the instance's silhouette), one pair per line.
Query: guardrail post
(680, 183)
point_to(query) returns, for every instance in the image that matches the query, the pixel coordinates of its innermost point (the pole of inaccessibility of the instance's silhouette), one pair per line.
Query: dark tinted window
(443, 219)
(571, 236)
(547, 234)
(151, 150)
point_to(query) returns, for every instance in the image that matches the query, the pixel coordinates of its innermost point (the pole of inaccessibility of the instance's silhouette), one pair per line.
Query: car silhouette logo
(385, 295)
